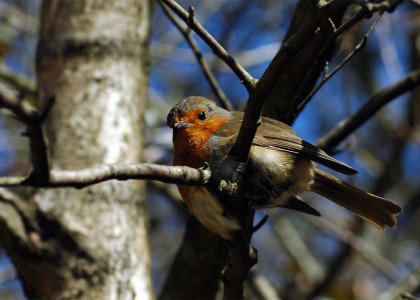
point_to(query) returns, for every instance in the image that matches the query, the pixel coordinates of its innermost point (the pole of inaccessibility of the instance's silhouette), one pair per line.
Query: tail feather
(378, 211)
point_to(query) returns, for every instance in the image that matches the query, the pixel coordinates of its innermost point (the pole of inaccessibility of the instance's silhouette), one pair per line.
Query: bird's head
(196, 114)
(194, 121)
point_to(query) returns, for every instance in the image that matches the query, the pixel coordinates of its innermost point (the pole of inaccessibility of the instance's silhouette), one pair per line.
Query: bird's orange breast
(191, 147)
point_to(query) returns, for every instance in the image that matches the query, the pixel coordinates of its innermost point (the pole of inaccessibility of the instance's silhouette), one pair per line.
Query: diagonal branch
(24, 84)
(246, 79)
(200, 59)
(10, 99)
(302, 69)
(374, 104)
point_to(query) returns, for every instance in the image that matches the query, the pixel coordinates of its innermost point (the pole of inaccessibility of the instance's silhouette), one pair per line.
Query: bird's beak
(181, 124)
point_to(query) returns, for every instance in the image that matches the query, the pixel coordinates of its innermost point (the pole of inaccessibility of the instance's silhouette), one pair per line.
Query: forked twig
(246, 79)
(356, 50)
(199, 56)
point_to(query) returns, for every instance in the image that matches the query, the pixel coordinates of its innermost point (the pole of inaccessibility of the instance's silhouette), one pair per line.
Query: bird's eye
(202, 116)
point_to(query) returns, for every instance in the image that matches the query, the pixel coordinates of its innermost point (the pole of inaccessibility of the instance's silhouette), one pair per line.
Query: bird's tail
(378, 211)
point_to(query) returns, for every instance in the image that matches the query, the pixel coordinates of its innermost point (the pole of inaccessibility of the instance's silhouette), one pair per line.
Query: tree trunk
(93, 57)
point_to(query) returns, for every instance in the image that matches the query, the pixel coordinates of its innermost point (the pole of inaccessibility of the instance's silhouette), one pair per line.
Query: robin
(280, 166)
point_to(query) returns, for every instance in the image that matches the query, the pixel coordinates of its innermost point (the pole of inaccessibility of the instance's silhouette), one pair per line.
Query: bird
(280, 167)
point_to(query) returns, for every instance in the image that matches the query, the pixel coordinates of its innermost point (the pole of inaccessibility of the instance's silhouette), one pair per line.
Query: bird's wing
(277, 135)
(295, 145)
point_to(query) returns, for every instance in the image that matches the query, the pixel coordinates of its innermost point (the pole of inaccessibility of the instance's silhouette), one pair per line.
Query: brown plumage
(281, 165)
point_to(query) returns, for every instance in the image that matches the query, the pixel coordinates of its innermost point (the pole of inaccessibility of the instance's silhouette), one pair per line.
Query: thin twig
(260, 224)
(246, 79)
(300, 94)
(22, 109)
(21, 83)
(373, 105)
(356, 50)
(200, 59)
(84, 177)
(366, 10)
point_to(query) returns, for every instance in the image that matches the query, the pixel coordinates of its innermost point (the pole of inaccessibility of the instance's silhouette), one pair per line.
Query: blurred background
(335, 256)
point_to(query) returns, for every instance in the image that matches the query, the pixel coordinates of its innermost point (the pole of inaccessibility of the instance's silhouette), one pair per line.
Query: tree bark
(197, 267)
(93, 57)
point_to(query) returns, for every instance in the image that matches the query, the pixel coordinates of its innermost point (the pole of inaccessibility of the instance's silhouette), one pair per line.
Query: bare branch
(356, 50)
(347, 126)
(246, 79)
(260, 224)
(313, 71)
(100, 173)
(19, 82)
(22, 109)
(200, 59)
